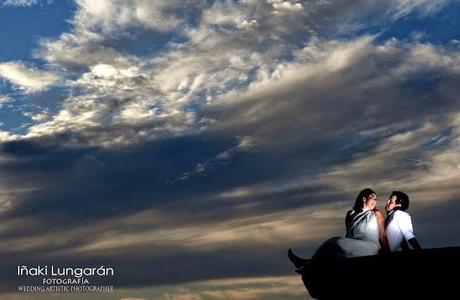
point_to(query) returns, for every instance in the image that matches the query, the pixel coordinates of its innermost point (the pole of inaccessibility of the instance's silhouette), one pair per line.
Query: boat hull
(399, 275)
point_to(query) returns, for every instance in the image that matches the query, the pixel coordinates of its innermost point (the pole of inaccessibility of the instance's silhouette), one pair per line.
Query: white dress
(362, 238)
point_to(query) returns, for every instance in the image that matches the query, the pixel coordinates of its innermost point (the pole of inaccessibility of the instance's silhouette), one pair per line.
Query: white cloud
(372, 92)
(6, 136)
(293, 226)
(402, 8)
(26, 78)
(224, 14)
(245, 144)
(181, 296)
(5, 203)
(249, 288)
(104, 71)
(232, 53)
(4, 99)
(21, 3)
(156, 15)
(281, 5)
(240, 288)
(39, 116)
(247, 25)
(422, 162)
(78, 49)
(126, 90)
(287, 227)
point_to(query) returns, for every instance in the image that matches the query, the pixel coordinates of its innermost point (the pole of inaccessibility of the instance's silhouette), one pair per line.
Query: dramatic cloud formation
(186, 143)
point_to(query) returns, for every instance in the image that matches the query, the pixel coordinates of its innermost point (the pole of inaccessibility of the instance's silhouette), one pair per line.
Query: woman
(365, 235)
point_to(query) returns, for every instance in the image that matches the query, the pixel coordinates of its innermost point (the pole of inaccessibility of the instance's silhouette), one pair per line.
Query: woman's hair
(359, 204)
(401, 198)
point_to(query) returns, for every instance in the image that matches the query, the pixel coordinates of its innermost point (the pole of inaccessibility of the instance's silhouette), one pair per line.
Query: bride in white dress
(365, 231)
(365, 226)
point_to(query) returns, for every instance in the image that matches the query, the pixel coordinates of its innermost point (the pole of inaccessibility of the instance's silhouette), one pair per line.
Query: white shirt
(399, 228)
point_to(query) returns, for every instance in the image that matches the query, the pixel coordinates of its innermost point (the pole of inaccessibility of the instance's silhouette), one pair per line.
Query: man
(398, 223)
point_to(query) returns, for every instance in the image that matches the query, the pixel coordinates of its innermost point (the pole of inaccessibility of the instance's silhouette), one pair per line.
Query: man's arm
(405, 224)
(414, 243)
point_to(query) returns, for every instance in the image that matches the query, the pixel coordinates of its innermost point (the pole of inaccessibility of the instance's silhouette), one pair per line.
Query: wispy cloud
(404, 7)
(4, 99)
(252, 288)
(20, 3)
(150, 228)
(28, 79)
(245, 144)
(243, 288)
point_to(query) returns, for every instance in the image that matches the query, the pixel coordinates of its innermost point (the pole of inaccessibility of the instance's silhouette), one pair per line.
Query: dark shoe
(297, 261)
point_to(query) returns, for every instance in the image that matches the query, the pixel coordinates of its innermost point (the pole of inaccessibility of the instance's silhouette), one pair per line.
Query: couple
(367, 231)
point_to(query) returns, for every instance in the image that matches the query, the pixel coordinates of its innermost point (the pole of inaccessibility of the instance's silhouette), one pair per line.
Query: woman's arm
(382, 233)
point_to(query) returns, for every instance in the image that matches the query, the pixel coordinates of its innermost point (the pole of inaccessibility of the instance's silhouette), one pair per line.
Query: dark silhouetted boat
(425, 274)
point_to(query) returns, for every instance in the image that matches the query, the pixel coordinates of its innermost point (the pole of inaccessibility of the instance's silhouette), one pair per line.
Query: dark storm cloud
(108, 176)
(89, 184)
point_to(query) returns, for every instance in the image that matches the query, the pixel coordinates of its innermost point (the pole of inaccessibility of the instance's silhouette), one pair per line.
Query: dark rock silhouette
(428, 273)
(296, 260)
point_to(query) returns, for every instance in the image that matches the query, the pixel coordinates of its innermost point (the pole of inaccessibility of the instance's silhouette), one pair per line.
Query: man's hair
(359, 204)
(401, 198)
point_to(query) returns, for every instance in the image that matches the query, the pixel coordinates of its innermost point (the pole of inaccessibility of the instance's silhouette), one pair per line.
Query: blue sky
(24, 26)
(207, 137)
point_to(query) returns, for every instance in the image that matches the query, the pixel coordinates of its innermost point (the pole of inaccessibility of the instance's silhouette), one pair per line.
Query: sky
(189, 144)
